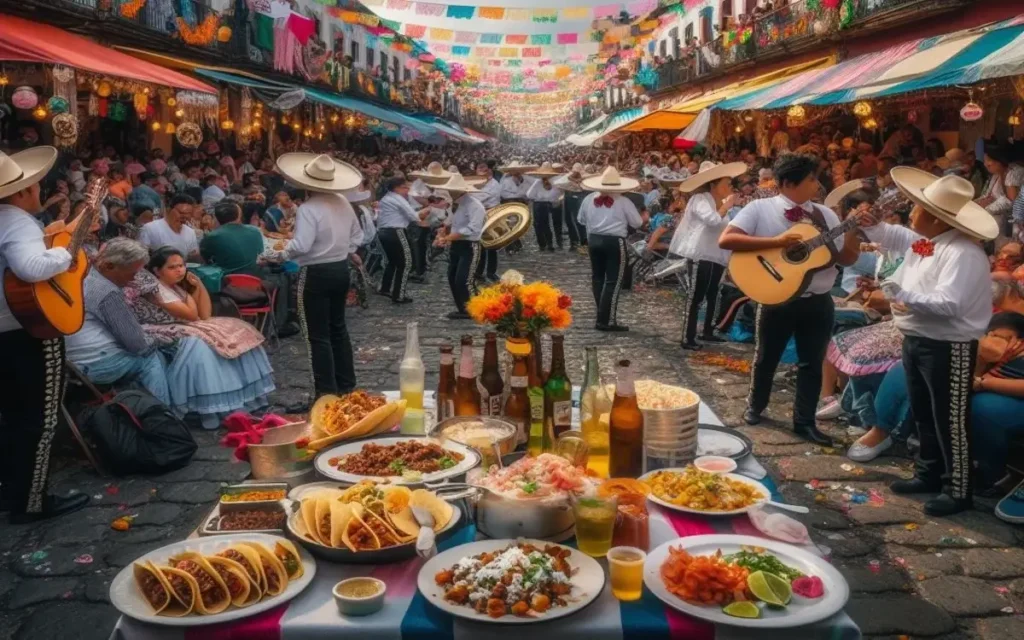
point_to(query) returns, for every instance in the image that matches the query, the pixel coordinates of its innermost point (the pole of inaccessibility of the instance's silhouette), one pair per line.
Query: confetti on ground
(122, 524)
(1002, 590)
(722, 360)
(859, 471)
(900, 561)
(821, 497)
(38, 556)
(875, 566)
(836, 536)
(113, 490)
(970, 541)
(98, 496)
(829, 451)
(815, 483)
(846, 467)
(1007, 609)
(85, 558)
(910, 527)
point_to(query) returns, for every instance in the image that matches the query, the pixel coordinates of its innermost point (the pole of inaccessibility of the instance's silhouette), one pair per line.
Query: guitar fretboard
(830, 235)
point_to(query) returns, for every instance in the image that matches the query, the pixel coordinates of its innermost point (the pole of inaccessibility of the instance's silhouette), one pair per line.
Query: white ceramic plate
(125, 596)
(732, 476)
(587, 582)
(470, 459)
(799, 612)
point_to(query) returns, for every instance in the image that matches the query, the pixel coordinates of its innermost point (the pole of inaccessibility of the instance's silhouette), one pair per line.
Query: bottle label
(519, 382)
(494, 408)
(562, 413)
(536, 395)
(447, 358)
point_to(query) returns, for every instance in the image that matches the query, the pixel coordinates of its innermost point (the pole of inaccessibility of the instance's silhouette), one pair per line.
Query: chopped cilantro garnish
(446, 462)
(397, 466)
(530, 487)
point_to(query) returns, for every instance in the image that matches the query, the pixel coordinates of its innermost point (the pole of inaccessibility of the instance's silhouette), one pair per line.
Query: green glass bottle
(535, 391)
(557, 394)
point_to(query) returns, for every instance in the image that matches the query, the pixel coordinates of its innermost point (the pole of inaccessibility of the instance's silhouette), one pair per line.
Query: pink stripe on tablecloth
(741, 525)
(681, 625)
(686, 524)
(262, 626)
(400, 578)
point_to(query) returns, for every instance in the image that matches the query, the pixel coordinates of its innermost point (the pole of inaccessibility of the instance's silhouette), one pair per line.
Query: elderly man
(111, 345)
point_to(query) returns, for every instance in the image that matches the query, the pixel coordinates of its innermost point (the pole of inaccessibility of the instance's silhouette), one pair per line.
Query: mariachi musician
(546, 199)
(462, 237)
(395, 215)
(489, 194)
(573, 194)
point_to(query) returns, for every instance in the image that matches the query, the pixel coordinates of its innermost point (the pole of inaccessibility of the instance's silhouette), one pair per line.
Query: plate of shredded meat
(400, 460)
(511, 581)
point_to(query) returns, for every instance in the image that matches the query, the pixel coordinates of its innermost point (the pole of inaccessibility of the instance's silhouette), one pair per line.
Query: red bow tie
(604, 201)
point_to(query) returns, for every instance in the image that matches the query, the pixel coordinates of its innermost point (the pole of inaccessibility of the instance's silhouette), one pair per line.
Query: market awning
(27, 41)
(450, 129)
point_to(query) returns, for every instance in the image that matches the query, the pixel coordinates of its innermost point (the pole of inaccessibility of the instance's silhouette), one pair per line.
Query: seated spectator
(997, 408)
(213, 191)
(233, 246)
(277, 213)
(118, 225)
(171, 229)
(119, 188)
(144, 192)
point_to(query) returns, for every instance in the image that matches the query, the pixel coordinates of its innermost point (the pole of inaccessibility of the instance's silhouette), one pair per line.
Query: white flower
(512, 277)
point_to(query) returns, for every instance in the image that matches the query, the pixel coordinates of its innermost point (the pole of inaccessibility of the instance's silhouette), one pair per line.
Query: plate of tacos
(358, 414)
(204, 581)
(366, 523)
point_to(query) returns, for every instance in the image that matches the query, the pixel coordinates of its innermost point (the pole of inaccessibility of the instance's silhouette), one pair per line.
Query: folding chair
(77, 378)
(260, 314)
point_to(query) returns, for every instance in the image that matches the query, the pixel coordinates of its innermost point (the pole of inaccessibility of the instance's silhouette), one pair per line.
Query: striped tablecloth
(407, 615)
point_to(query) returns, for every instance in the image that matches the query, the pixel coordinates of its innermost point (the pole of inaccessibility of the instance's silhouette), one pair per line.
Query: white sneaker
(862, 453)
(828, 408)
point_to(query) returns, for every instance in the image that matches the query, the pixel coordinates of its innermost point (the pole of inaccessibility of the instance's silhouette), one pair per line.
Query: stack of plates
(670, 437)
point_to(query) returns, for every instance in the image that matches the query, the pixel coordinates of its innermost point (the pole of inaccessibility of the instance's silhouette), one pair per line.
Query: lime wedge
(742, 609)
(770, 588)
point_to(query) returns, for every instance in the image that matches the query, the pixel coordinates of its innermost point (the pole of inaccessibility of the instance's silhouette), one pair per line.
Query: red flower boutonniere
(924, 248)
(796, 214)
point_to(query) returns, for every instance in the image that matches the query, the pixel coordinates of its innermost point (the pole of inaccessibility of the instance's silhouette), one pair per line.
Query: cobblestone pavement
(961, 577)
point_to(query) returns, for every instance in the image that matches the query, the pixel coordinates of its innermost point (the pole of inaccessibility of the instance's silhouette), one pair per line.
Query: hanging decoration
(862, 109)
(57, 104)
(971, 111)
(170, 128)
(155, 126)
(190, 135)
(93, 108)
(201, 35)
(118, 112)
(65, 86)
(141, 102)
(40, 113)
(65, 128)
(245, 118)
(131, 8)
(103, 89)
(25, 97)
(224, 34)
(198, 107)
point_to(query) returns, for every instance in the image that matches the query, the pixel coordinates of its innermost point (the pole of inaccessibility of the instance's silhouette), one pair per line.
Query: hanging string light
(862, 109)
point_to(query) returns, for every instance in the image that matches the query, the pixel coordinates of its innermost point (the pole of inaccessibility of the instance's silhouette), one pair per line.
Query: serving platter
(471, 458)
(722, 441)
(766, 495)
(126, 597)
(799, 612)
(587, 582)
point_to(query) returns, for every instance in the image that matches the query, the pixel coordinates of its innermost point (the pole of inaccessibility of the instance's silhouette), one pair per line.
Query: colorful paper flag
(545, 15)
(415, 30)
(484, 52)
(641, 7)
(369, 19)
(466, 37)
(607, 11)
(490, 38)
(568, 38)
(516, 39)
(398, 5)
(460, 51)
(394, 25)
(491, 13)
(430, 9)
(576, 13)
(517, 14)
(508, 52)
(440, 48)
(460, 12)
(441, 34)
(531, 52)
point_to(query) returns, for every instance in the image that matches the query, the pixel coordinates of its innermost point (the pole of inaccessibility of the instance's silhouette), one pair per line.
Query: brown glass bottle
(626, 428)
(446, 385)
(467, 397)
(517, 405)
(557, 393)
(491, 386)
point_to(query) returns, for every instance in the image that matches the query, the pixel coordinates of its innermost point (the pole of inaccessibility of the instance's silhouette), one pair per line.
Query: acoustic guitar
(56, 307)
(776, 276)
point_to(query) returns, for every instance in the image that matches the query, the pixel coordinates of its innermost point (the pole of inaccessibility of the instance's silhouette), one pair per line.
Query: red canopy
(27, 41)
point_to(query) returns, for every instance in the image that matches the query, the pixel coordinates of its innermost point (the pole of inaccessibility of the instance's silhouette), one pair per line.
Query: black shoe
(405, 300)
(810, 433)
(386, 294)
(53, 506)
(712, 338)
(914, 485)
(458, 315)
(418, 279)
(551, 249)
(288, 330)
(690, 346)
(946, 505)
(751, 417)
(615, 328)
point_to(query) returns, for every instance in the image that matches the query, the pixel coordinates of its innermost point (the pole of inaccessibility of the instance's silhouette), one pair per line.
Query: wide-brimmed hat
(709, 172)
(457, 184)
(24, 169)
(356, 196)
(434, 174)
(610, 182)
(836, 195)
(320, 173)
(949, 198)
(515, 167)
(545, 171)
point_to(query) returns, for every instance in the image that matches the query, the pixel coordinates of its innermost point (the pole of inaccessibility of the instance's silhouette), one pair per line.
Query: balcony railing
(163, 16)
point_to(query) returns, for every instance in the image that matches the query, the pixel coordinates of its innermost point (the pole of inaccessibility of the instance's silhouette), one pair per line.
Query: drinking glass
(571, 446)
(626, 570)
(595, 523)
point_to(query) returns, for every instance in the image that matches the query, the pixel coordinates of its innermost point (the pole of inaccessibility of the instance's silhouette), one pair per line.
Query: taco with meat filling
(289, 556)
(386, 534)
(357, 535)
(273, 571)
(152, 587)
(341, 514)
(249, 560)
(184, 591)
(235, 579)
(213, 596)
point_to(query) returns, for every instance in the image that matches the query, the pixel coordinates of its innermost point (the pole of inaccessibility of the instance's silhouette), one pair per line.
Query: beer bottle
(626, 428)
(517, 405)
(535, 391)
(557, 393)
(595, 411)
(467, 397)
(491, 386)
(446, 385)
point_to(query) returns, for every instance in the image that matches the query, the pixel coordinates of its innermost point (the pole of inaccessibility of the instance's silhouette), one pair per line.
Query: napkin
(778, 526)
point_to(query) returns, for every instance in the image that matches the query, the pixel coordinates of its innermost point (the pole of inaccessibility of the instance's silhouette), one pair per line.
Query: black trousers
(488, 264)
(607, 268)
(419, 241)
(557, 213)
(396, 273)
(572, 202)
(31, 390)
(705, 277)
(542, 225)
(323, 294)
(940, 379)
(809, 319)
(463, 258)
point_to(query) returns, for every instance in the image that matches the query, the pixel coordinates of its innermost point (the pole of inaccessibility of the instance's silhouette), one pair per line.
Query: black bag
(135, 433)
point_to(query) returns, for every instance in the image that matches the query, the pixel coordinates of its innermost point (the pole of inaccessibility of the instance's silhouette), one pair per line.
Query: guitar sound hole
(796, 254)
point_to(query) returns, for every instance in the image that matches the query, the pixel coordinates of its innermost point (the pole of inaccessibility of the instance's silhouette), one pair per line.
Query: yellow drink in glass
(626, 570)
(595, 523)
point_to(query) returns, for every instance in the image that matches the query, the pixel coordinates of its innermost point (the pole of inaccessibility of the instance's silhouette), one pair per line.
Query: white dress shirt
(697, 235)
(489, 194)
(395, 212)
(511, 189)
(23, 251)
(369, 227)
(609, 221)
(949, 294)
(418, 189)
(158, 233)
(469, 217)
(326, 230)
(538, 193)
(766, 218)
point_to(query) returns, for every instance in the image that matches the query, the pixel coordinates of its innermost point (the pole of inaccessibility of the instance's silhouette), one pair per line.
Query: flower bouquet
(518, 309)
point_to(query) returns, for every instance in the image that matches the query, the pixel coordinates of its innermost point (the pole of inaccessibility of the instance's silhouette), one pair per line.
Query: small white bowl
(715, 464)
(364, 606)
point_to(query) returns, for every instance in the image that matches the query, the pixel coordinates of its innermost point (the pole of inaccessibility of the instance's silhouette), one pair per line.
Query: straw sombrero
(949, 198)
(356, 196)
(434, 174)
(458, 184)
(320, 173)
(515, 167)
(709, 172)
(545, 171)
(24, 169)
(836, 195)
(610, 182)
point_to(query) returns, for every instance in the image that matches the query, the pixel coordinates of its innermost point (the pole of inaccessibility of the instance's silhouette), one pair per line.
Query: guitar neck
(95, 196)
(831, 234)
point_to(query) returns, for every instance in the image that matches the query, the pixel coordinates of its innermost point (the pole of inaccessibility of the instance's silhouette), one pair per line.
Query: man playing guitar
(763, 224)
(31, 370)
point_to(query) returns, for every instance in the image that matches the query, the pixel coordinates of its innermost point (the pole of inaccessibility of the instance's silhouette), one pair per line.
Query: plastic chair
(259, 314)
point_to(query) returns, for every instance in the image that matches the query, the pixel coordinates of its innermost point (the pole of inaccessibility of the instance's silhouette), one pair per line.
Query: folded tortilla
(184, 591)
(151, 585)
(273, 570)
(322, 524)
(387, 536)
(212, 594)
(234, 577)
(341, 513)
(249, 560)
(308, 511)
(358, 536)
(291, 560)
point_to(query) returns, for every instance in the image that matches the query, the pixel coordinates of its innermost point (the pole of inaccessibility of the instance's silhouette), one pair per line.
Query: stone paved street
(962, 577)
